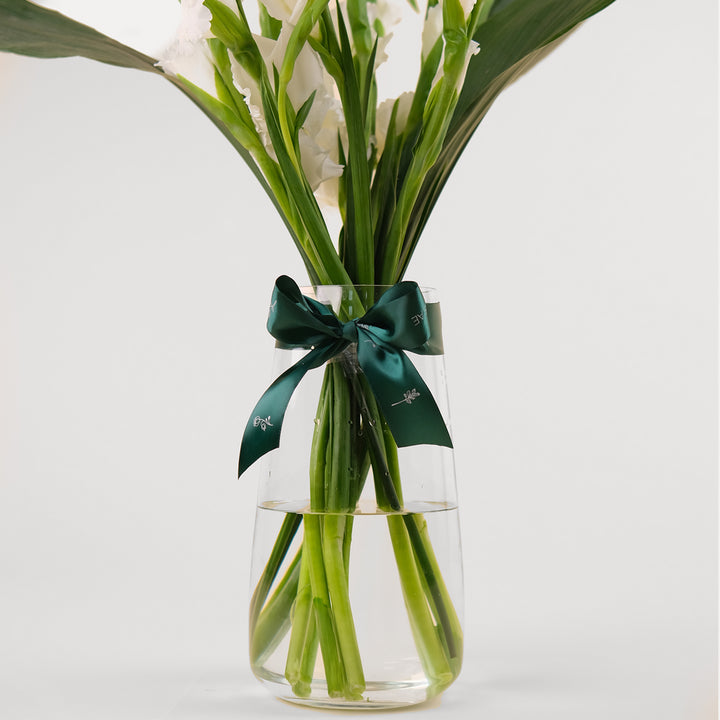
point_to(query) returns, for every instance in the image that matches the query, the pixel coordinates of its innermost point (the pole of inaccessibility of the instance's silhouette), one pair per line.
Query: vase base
(377, 695)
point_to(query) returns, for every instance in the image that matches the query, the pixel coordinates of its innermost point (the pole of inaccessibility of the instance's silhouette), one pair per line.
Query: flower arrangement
(294, 87)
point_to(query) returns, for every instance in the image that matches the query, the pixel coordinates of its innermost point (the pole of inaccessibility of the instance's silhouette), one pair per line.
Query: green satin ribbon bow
(397, 322)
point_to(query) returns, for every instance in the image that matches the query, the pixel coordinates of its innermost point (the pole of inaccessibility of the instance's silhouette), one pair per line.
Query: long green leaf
(518, 34)
(28, 29)
(521, 27)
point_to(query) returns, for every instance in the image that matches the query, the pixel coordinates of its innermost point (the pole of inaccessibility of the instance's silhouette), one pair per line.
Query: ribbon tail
(405, 400)
(262, 432)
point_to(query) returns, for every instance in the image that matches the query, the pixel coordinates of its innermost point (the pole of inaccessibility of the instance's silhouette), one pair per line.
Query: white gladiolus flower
(387, 12)
(194, 22)
(432, 29)
(319, 133)
(317, 163)
(384, 112)
(327, 193)
(381, 55)
(188, 55)
(318, 137)
(308, 72)
(251, 92)
(285, 10)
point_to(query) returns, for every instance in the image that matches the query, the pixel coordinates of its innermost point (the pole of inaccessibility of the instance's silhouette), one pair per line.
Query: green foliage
(386, 200)
(28, 29)
(270, 27)
(233, 32)
(517, 35)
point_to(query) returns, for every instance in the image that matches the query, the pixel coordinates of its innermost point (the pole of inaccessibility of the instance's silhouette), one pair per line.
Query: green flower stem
(430, 649)
(303, 639)
(274, 619)
(326, 560)
(323, 583)
(347, 544)
(339, 444)
(332, 660)
(309, 658)
(436, 591)
(337, 581)
(298, 652)
(432, 581)
(439, 595)
(360, 26)
(312, 541)
(339, 471)
(385, 471)
(415, 539)
(289, 528)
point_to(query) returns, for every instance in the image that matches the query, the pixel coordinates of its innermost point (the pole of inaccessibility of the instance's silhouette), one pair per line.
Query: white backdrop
(575, 253)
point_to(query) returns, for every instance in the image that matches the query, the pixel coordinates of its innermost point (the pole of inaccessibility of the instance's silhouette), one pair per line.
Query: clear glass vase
(357, 585)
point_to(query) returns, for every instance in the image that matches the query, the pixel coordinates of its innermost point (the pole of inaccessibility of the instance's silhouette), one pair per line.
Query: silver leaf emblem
(408, 397)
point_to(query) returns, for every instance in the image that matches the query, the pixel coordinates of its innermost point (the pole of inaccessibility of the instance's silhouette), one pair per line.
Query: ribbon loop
(397, 322)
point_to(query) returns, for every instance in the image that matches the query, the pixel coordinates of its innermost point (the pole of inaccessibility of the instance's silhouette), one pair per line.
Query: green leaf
(384, 188)
(303, 112)
(28, 29)
(413, 125)
(328, 48)
(269, 26)
(510, 36)
(360, 27)
(322, 255)
(369, 85)
(516, 36)
(359, 235)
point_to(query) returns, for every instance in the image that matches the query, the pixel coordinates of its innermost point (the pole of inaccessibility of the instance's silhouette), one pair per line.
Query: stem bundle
(311, 601)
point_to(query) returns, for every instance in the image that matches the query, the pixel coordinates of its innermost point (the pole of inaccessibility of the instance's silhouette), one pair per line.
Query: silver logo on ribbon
(409, 396)
(263, 423)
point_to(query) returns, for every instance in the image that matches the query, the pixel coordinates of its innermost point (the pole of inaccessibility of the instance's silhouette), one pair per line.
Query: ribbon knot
(398, 321)
(350, 331)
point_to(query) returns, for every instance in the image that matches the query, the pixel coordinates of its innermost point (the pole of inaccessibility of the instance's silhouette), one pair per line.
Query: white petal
(389, 13)
(285, 10)
(253, 99)
(317, 164)
(188, 55)
(384, 112)
(432, 29)
(467, 6)
(327, 193)
(194, 22)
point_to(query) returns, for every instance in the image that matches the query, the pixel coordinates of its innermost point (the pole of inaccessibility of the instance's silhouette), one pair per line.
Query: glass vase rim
(307, 289)
(354, 286)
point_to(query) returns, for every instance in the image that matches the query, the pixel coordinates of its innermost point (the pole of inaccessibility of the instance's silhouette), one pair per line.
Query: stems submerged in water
(350, 436)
